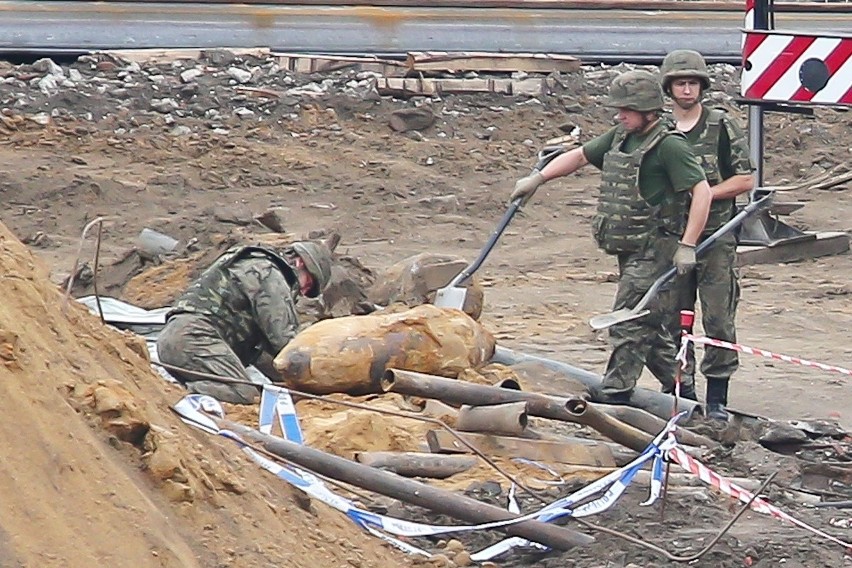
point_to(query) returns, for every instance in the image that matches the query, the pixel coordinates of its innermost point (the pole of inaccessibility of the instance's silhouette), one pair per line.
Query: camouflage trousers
(191, 342)
(714, 283)
(646, 340)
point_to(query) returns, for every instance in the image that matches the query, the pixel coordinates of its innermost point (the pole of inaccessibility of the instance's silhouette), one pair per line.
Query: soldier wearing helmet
(240, 311)
(648, 173)
(720, 144)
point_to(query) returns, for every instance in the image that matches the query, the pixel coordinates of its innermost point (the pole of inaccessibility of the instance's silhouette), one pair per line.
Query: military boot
(717, 399)
(688, 391)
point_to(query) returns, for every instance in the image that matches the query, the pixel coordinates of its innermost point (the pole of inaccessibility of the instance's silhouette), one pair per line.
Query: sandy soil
(331, 160)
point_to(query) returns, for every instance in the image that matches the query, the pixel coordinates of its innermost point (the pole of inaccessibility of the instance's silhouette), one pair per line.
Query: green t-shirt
(733, 153)
(669, 167)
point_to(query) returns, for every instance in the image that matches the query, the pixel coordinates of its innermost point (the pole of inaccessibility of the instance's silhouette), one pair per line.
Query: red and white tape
(727, 487)
(768, 354)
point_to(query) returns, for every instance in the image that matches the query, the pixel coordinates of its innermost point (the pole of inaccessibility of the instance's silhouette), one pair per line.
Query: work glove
(684, 258)
(526, 186)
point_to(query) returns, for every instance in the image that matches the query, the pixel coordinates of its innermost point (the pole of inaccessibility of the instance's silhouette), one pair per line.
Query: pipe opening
(576, 406)
(510, 384)
(388, 381)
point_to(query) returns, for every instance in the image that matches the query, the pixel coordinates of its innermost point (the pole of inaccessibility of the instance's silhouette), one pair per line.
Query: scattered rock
(273, 219)
(406, 119)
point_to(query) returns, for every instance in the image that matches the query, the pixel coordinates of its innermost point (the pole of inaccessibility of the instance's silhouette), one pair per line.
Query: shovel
(626, 314)
(453, 294)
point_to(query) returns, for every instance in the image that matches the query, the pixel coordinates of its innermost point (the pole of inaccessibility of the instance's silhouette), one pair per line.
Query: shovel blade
(451, 297)
(618, 316)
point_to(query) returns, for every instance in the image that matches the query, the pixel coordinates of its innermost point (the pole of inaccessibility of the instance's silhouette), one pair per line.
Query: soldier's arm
(686, 174)
(567, 163)
(733, 186)
(592, 152)
(734, 162)
(699, 208)
(273, 309)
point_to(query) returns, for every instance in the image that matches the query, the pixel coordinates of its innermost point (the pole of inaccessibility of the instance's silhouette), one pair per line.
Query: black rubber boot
(717, 399)
(688, 392)
(685, 392)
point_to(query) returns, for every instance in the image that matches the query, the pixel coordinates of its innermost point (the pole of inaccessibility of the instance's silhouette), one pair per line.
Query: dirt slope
(96, 471)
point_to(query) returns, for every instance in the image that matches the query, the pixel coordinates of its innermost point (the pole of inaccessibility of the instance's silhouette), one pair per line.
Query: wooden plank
(310, 63)
(785, 207)
(575, 452)
(421, 86)
(455, 62)
(156, 55)
(824, 244)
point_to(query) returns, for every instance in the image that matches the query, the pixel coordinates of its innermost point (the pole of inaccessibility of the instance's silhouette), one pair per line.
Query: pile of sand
(97, 471)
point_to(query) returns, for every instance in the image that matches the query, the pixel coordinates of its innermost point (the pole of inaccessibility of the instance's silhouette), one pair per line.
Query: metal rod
(73, 275)
(96, 262)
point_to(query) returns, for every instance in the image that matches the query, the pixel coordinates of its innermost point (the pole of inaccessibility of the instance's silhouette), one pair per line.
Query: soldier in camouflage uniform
(719, 142)
(241, 307)
(648, 175)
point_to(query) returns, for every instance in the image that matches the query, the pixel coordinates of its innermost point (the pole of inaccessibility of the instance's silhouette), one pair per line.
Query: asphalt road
(33, 26)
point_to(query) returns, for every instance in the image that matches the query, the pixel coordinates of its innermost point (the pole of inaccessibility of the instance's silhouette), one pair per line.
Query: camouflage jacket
(249, 296)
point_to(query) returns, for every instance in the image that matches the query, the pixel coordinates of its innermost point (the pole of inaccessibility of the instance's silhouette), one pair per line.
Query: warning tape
(276, 403)
(763, 353)
(726, 486)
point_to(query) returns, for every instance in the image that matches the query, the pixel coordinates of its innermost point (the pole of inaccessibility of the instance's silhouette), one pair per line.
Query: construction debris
(406, 87)
(465, 61)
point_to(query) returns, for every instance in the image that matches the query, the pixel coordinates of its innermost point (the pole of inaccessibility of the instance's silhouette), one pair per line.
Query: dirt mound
(94, 458)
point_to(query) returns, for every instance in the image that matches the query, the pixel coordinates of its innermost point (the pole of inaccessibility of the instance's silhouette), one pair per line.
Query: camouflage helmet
(683, 63)
(635, 90)
(317, 259)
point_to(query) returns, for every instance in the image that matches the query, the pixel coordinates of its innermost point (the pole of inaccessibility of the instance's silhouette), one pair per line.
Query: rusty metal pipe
(456, 392)
(657, 403)
(417, 464)
(409, 490)
(647, 422)
(508, 419)
(610, 427)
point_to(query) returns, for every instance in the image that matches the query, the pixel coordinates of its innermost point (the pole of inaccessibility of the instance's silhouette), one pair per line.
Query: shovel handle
(545, 156)
(704, 245)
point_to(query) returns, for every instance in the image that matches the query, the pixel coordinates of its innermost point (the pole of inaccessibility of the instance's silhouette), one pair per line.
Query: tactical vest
(215, 293)
(706, 149)
(625, 222)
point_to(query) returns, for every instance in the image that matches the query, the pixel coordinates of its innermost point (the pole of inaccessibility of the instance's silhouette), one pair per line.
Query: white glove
(526, 186)
(684, 258)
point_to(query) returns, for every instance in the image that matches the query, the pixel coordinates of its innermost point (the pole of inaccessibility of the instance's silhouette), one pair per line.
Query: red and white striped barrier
(763, 353)
(710, 477)
(797, 67)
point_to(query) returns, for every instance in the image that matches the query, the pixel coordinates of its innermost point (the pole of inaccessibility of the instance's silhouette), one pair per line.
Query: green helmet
(683, 63)
(635, 90)
(317, 259)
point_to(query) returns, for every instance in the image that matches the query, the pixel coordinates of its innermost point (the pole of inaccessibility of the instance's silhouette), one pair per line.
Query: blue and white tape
(276, 402)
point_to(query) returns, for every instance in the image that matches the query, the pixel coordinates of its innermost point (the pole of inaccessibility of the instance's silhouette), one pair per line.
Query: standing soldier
(240, 309)
(719, 143)
(648, 175)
